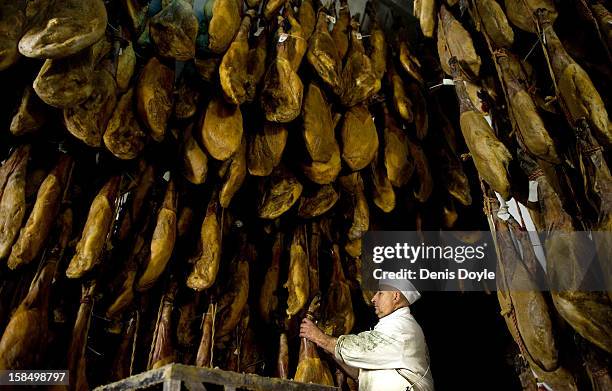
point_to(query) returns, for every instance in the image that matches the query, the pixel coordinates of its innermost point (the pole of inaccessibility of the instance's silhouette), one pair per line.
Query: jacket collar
(398, 313)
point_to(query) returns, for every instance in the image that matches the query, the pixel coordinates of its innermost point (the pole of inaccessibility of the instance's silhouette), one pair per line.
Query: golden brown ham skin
(282, 93)
(195, 160)
(340, 32)
(65, 82)
(307, 18)
(383, 194)
(578, 93)
(235, 176)
(318, 128)
(33, 235)
(222, 129)
(207, 261)
(123, 136)
(532, 130)
(495, 23)
(297, 281)
(359, 137)
(359, 78)
(265, 149)
(223, 26)
(587, 312)
(233, 68)
(256, 66)
(12, 23)
(359, 212)
(154, 97)
(162, 242)
(521, 12)
(174, 31)
(455, 41)
(281, 194)
(398, 162)
(323, 55)
(70, 27)
(88, 120)
(31, 114)
(268, 301)
(310, 368)
(233, 301)
(12, 201)
(319, 203)
(90, 249)
(490, 156)
(24, 339)
(338, 314)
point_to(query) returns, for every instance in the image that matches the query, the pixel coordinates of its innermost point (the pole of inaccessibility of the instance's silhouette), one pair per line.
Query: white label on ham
(533, 191)
(503, 212)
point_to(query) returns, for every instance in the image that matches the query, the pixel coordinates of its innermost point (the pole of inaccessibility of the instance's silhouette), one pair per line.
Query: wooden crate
(176, 377)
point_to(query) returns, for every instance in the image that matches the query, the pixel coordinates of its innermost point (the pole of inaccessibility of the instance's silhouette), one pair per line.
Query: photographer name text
(425, 274)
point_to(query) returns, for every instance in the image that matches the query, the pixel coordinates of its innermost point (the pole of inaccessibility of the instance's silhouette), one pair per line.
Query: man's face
(384, 302)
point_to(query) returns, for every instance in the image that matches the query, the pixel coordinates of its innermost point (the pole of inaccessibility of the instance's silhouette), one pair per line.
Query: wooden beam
(172, 385)
(241, 380)
(193, 377)
(141, 380)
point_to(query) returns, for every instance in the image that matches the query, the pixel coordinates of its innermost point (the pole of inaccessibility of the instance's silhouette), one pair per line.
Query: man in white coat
(393, 356)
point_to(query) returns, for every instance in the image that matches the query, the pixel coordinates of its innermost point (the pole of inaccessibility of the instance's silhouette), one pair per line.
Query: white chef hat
(402, 285)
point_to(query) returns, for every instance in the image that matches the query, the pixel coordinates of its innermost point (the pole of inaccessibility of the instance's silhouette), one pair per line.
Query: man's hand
(310, 331)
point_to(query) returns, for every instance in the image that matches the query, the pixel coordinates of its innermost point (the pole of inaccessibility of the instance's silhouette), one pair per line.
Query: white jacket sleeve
(369, 350)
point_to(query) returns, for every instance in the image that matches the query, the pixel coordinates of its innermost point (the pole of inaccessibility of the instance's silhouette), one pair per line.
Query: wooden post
(172, 385)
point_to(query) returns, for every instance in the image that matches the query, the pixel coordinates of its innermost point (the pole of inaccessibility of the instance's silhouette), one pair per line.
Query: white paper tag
(120, 50)
(359, 36)
(489, 120)
(332, 19)
(258, 32)
(503, 212)
(445, 82)
(533, 191)
(167, 176)
(544, 385)
(124, 198)
(283, 37)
